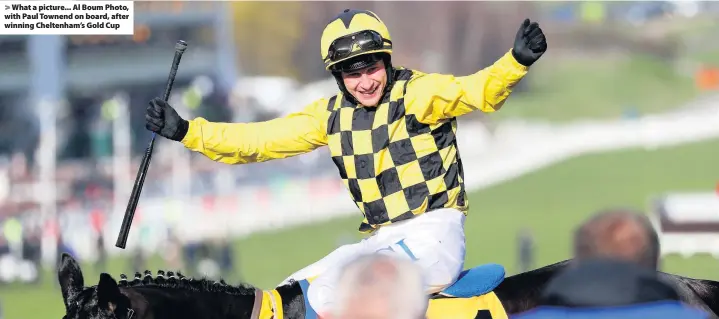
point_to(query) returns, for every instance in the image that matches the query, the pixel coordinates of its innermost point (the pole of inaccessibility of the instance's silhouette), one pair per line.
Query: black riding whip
(142, 171)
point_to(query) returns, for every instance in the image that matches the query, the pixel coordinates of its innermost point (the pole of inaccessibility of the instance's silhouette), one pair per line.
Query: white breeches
(434, 241)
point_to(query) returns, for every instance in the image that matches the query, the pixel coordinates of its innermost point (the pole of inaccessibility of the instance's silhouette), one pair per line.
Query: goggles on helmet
(350, 44)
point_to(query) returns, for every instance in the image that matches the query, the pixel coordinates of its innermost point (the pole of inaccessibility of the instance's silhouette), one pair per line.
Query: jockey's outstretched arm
(435, 97)
(240, 143)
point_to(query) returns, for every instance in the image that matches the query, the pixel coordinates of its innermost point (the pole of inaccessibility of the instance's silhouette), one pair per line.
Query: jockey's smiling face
(367, 84)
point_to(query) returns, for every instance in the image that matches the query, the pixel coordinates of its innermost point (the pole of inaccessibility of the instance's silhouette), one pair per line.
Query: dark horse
(173, 296)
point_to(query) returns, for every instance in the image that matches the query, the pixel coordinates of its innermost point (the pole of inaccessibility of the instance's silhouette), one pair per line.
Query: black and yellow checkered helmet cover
(349, 22)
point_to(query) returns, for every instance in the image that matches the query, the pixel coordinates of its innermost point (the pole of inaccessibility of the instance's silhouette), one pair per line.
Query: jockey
(391, 132)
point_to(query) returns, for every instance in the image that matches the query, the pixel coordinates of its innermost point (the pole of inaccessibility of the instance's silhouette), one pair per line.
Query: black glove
(162, 119)
(529, 44)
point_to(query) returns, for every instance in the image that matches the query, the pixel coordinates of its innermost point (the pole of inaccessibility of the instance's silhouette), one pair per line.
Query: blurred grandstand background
(72, 134)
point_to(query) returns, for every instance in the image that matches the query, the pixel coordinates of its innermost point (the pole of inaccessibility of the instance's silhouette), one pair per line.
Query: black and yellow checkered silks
(394, 166)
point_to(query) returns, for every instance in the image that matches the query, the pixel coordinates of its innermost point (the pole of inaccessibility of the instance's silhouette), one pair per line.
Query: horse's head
(98, 302)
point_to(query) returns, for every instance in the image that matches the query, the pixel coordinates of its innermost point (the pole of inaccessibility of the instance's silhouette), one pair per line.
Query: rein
(257, 306)
(272, 307)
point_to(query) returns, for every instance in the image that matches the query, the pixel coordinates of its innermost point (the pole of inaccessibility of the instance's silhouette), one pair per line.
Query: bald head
(380, 286)
(622, 234)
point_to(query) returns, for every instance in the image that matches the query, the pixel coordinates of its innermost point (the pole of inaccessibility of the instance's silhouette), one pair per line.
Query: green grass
(550, 202)
(563, 89)
(708, 57)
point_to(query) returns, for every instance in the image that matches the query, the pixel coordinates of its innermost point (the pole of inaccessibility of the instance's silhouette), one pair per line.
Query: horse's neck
(177, 303)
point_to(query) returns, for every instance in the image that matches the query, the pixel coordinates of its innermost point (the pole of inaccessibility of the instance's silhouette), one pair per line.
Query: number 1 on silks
(402, 245)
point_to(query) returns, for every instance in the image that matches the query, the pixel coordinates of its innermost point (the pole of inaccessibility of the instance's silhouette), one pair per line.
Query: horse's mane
(173, 280)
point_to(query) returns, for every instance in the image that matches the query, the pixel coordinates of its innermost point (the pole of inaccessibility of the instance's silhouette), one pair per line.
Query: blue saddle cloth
(655, 310)
(476, 281)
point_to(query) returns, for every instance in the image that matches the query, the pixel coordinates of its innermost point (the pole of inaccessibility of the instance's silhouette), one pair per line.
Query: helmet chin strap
(387, 87)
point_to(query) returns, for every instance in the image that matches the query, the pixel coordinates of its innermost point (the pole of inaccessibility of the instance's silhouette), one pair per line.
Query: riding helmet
(353, 33)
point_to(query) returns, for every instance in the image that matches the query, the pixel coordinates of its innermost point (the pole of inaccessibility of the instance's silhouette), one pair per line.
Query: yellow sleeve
(435, 97)
(240, 143)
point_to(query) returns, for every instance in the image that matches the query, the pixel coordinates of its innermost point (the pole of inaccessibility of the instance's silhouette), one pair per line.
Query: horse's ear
(108, 293)
(70, 277)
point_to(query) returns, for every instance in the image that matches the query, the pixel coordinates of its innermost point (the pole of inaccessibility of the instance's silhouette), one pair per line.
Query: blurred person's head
(356, 48)
(380, 286)
(620, 233)
(606, 283)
